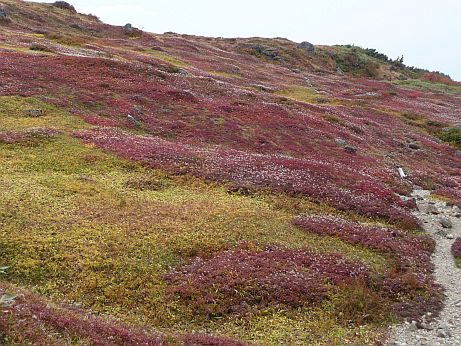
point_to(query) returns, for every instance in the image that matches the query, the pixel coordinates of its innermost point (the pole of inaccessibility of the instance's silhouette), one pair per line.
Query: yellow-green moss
(13, 118)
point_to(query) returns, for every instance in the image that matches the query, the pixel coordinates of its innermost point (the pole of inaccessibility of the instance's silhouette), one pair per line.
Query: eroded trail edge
(443, 222)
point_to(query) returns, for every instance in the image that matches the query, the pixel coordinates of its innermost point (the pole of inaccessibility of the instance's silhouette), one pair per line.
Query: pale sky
(426, 32)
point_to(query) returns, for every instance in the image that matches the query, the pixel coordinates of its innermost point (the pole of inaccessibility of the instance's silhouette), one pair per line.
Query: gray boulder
(128, 29)
(350, 149)
(308, 47)
(444, 333)
(138, 110)
(133, 121)
(33, 113)
(65, 6)
(272, 54)
(3, 15)
(414, 146)
(445, 222)
(341, 142)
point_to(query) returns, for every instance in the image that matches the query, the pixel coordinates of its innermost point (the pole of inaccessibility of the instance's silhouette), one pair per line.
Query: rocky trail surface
(443, 222)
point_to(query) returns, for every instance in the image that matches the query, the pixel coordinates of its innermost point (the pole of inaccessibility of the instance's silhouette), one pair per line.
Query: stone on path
(446, 222)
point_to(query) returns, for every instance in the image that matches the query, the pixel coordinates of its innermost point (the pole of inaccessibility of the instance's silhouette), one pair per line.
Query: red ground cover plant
(456, 248)
(409, 280)
(315, 177)
(12, 137)
(239, 280)
(32, 320)
(206, 340)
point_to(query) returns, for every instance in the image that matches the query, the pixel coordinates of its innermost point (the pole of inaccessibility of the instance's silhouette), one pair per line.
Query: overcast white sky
(426, 32)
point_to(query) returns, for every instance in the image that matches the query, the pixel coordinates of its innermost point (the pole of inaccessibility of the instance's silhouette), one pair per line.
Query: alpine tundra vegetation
(169, 189)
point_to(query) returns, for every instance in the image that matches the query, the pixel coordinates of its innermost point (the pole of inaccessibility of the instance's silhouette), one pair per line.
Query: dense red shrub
(456, 248)
(438, 78)
(206, 340)
(315, 177)
(235, 281)
(410, 256)
(410, 251)
(235, 126)
(27, 136)
(30, 319)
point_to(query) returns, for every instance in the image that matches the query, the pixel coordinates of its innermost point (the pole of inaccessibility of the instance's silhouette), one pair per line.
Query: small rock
(3, 14)
(441, 233)
(413, 326)
(270, 53)
(398, 343)
(432, 209)
(34, 113)
(339, 71)
(308, 47)
(423, 325)
(138, 110)
(236, 70)
(445, 222)
(183, 72)
(128, 29)
(341, 142)
(262, 87)
(450, 236)
(414, 146)
(132, 120)
(65, 6)
(350, 149)
(444, 333)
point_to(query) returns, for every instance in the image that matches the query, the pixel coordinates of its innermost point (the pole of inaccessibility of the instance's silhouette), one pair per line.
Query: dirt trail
(446, 329)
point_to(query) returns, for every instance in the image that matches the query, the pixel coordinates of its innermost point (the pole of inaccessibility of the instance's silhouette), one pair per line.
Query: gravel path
(446, 329)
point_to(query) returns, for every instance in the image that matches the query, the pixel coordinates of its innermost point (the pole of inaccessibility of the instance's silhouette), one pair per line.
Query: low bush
(234, 282)
(456, 247)
(456, 251)
(30, 137)
(451, 135)
(315, 178)
(408, 281)
(356, 303)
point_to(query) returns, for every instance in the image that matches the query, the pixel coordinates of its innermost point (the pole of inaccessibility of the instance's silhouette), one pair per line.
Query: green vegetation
(80, 225)
(303, 94)
(429, 86)
(14, 117)
(431, 126)
(451, 135)
(166, 58)
(458, 262)
(356, 60)
(247, 254)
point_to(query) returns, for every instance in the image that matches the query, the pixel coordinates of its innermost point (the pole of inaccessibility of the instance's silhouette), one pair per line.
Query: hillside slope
(175, 189)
